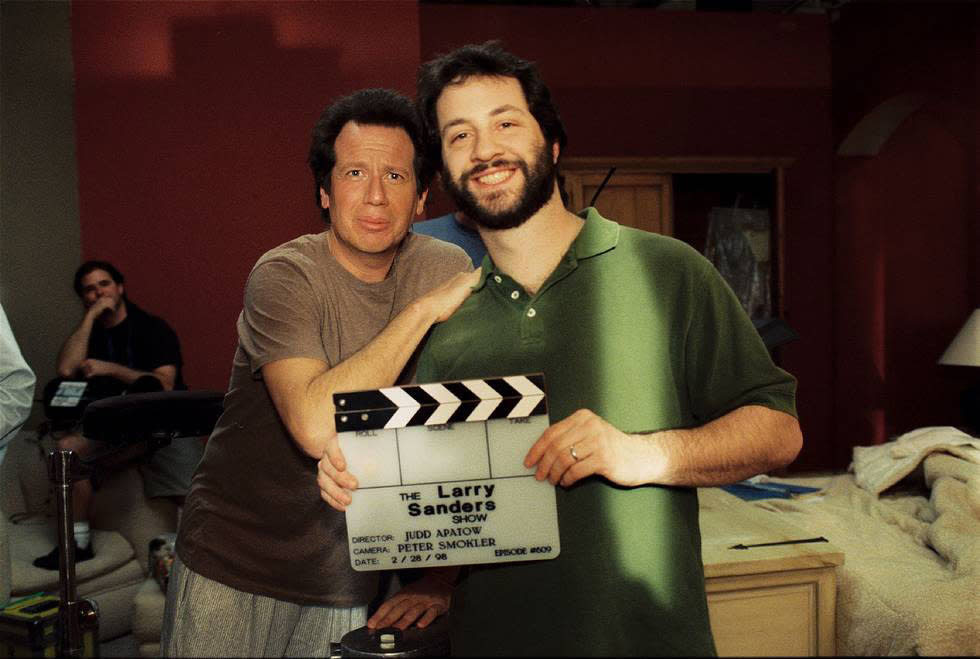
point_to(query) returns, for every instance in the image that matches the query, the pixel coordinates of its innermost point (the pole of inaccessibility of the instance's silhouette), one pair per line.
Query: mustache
(484, 166)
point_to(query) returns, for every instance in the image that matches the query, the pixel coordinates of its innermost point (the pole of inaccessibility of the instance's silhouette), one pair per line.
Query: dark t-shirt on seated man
(117, 348)
(142, 342)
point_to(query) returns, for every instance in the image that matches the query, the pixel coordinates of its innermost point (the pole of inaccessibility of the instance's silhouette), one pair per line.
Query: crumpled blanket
(910, 583)
(877, 468)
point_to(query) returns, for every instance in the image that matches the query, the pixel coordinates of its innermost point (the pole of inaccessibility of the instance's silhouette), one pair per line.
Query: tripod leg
(63, 469)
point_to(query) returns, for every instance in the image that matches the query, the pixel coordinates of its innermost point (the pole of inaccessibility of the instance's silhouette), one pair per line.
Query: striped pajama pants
(204, 618)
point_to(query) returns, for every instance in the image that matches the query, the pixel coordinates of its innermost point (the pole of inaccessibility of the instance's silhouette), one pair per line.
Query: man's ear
(420, 206)
(324, 198)
(555, 151)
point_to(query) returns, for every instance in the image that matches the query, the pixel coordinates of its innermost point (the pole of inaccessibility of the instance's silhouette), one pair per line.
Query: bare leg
(82, 493)
(81, 489)
(81, 507)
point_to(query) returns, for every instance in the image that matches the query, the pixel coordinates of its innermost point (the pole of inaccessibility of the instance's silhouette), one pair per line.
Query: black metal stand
(74, 615)
(132, 426)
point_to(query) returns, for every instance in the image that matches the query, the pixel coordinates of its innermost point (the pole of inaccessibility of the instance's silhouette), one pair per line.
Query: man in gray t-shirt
(262, 563)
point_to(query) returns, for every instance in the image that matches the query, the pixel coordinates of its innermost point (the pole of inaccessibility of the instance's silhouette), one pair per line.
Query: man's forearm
(381, 361)
(307, 410)
(75, 348)
(302, 389)
(747, 441)
(131, 375)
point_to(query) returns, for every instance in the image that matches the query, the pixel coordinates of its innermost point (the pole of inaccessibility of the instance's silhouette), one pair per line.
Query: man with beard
(117, 348)
(657, 384)
(116, 342)
(262, 566)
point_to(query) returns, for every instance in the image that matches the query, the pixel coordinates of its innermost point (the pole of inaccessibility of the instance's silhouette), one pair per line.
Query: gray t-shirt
(254, 519)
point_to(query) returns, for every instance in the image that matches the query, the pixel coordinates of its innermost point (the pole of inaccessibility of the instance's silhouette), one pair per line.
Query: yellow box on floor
(29, 628)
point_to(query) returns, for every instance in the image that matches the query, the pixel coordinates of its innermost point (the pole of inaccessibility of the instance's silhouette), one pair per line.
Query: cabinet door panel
(773, 621)
(638, 200)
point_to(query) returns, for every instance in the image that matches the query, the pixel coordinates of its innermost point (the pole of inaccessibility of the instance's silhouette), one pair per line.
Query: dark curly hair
(90, 266)
(368, 107)
(486, 59)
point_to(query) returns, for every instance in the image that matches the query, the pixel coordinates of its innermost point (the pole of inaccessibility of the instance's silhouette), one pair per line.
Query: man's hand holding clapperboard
(441, 479)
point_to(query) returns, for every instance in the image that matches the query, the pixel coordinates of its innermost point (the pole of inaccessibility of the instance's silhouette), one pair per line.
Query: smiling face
(497, 165)
(373, 195)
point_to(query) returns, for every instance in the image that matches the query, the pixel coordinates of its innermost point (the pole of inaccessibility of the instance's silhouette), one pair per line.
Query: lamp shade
(965, 348)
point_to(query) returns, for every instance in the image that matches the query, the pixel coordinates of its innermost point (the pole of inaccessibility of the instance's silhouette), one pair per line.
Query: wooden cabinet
(636, 198)
(674, 196)
(777, 600)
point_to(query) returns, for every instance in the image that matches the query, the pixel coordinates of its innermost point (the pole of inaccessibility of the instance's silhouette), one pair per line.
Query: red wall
(193, 127)
(906, 218)
(652, 83)
(193, 123)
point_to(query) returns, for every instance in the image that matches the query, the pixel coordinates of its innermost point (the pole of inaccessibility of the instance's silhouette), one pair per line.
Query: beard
(539, 185)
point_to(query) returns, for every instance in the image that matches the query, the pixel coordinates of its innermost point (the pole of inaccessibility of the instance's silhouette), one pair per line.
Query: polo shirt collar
(487, 267)
(598, 235)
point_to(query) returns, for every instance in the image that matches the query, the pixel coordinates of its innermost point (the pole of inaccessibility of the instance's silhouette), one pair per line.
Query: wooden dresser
(766, 601)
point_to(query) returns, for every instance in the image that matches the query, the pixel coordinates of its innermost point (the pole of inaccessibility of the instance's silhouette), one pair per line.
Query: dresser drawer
(779, 614)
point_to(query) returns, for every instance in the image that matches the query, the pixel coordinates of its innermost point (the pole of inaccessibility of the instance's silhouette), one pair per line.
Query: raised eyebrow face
(341, 167)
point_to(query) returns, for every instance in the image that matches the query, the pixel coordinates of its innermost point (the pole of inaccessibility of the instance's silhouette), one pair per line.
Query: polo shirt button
(497, 278)
(514, 295)
(531, 313)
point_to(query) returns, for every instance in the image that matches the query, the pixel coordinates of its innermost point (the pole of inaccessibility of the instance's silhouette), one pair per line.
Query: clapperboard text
(441, 474)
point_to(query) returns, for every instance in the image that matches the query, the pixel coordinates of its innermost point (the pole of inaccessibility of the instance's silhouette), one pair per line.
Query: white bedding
(910, 583)
(877, 468)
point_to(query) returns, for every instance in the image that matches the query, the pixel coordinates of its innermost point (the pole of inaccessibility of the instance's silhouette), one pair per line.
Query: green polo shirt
(642, 330)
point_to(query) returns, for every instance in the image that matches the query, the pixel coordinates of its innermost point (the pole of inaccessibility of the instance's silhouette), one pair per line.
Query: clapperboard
(441, 475)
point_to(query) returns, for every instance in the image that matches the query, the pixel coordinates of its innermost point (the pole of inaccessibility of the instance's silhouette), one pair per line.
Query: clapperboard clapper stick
(441, 403)
(441, 479)
(781, 542)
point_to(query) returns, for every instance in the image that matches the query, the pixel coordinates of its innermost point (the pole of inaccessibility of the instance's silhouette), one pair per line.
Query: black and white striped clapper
(508, 397)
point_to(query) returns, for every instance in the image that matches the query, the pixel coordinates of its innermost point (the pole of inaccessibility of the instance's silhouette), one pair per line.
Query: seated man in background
(118, 348)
